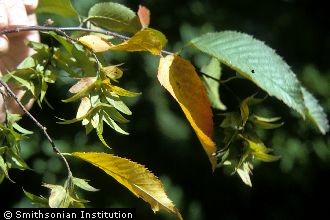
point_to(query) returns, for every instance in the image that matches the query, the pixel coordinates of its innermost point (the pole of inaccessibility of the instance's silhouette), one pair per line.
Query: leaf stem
(62, 31)
(44, 129)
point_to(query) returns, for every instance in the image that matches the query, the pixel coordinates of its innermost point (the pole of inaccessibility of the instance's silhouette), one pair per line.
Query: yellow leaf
(113, 72)
(95, 43)
(145, 40)
(179, 77)
(135, 177)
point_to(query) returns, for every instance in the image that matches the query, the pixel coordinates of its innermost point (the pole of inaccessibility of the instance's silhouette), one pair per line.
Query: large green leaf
(59, 7)
(114, 16)
(257, 62)
(315, 112)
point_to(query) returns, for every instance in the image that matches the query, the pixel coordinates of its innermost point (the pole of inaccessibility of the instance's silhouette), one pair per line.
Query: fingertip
(4, 45)
(30, 5)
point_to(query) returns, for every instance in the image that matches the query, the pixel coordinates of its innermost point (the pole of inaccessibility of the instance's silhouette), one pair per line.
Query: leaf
(123, 92)
(144, 16)
(38, 200)
(259, 150)
(15, 160)
(82, 84)
(244, 173)
(145, 40)
(59, 7)
(83, 184)
(84, 107)
(266, 123)
(256, 62)
(118, 104)
(213, 69)
(114, 16)
(113, 124)
(113, 71)
(114, 114)
(315, 111)
(180, 79)
(57, 195)
(135, 177)
(95, 43)
(4, 168)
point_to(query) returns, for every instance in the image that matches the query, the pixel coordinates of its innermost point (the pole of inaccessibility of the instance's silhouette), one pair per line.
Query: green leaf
(84, 92)
(123, 92)
(259, 150)
(113, 124)
(114, 114)
(15, 159)
(266, 123)
(118, 104)
(213, 69)
(4, 168)
(83, 184)
(315, 112)
(256, 62)
(37, 200)
(114, 16)
(59, 7)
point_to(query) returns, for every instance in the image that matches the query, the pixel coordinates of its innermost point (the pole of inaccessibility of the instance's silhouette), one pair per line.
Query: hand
(13, 49)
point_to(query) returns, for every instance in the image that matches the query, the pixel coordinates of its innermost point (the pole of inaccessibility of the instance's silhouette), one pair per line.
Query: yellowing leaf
(81, 84)
(179, 77)
(144, 16)
(84, 107)
(145, 40)
(135, 177)
(95, 43)
(113, 72)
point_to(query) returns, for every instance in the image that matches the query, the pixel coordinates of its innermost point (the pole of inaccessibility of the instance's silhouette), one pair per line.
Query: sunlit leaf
(4, 168)
(266, 123)
(180, 79)
(119, 105)
(135, 177)
(244, 172)
(95, 43)
(59, 7)
(145, 40)
(113, 71)
(123, 92)
(15, 160)
(213, 70)
(57, 195)
(113, 124)
(84, 107)
(259, 150)
(114, 16)
(83, 184)
(315, 112)
(144, 16)
(255, 61)
(82, 88)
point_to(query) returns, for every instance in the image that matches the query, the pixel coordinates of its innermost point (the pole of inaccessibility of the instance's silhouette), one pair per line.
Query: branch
(12, 94)
(62, 30)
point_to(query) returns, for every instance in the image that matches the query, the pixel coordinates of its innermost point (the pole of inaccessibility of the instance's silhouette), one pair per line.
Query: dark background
(162, 140)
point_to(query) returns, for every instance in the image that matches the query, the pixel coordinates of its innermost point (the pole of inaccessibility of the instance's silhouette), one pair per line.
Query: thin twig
(62, 30)
(12, 94)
